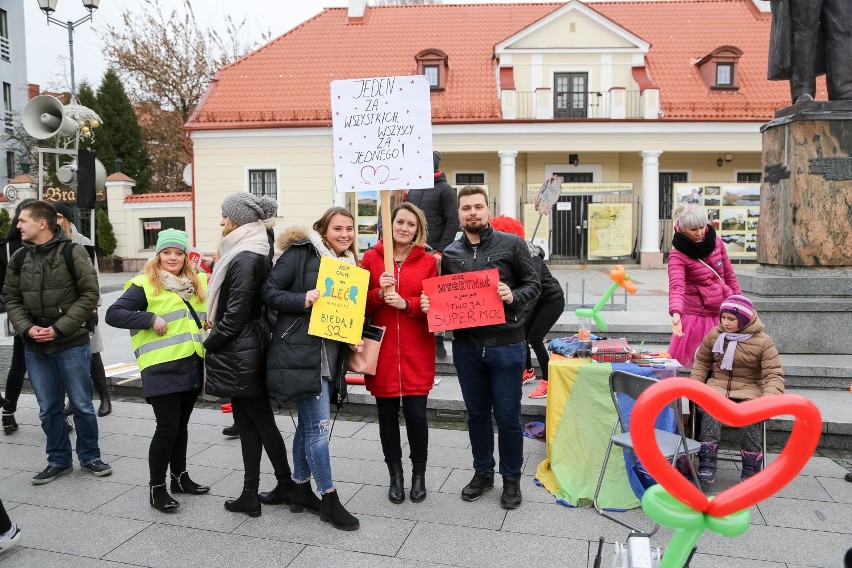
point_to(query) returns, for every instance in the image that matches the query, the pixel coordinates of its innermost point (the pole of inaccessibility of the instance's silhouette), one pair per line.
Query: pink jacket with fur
(694, 288)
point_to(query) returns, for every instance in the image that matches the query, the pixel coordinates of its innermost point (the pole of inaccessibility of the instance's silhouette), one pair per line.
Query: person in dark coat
(17, 367)
(157, 306)
(305, 368)
(235, 350)
(442, 220)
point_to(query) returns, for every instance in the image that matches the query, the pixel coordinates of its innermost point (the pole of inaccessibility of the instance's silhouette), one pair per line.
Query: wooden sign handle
(387, 234)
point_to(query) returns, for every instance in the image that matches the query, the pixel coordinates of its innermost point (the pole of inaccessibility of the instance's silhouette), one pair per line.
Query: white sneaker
(10, 538)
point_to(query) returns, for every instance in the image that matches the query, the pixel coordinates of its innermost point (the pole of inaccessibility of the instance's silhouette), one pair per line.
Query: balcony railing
(4, 49)
(612, 104)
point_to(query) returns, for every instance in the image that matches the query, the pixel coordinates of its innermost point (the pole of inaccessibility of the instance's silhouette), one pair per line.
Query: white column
(508, 194)
(650, 201)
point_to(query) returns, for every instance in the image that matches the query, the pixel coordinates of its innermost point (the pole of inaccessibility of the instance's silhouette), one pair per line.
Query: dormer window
(719, 68)
(433, 64)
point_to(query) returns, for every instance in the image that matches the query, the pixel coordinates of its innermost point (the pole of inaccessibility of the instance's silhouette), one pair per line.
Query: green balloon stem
(681, 545)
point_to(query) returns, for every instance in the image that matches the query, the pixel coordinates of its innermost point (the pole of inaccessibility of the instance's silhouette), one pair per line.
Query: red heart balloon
(800, 446)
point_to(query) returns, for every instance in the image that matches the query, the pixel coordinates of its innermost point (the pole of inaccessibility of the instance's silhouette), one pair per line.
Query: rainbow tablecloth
(580, 415)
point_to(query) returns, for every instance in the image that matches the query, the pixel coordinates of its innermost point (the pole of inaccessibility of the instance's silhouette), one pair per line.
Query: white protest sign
(382, 129)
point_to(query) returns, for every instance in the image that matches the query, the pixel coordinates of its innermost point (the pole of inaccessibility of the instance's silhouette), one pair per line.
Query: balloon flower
(620, 279)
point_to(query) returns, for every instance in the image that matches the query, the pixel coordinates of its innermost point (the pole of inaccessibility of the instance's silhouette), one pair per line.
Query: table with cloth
(579, 421)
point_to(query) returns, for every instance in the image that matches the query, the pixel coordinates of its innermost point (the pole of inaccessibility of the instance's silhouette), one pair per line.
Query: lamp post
(48, 7)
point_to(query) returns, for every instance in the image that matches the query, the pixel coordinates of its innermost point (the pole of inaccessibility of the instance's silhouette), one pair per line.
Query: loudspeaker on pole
(44, 116)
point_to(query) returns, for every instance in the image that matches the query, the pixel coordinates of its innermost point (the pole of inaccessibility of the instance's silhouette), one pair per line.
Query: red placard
(469, 299)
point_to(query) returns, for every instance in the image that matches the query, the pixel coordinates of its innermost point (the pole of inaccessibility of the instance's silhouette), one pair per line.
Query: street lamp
(48, 7)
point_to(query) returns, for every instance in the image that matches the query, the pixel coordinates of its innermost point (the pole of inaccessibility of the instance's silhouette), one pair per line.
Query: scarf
(319, 244)
(692, 249)
(180, 285)
(733, 340)
(250, 237)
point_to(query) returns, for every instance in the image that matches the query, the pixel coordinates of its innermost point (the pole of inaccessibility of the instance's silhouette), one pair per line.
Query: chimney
(355, 15)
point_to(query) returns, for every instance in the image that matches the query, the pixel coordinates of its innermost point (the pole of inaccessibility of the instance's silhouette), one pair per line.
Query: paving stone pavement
(80, 520)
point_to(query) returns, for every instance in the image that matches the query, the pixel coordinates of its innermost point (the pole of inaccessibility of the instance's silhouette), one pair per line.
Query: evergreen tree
(125, 135)
(98, 139)
(104, 235)
(5, 221)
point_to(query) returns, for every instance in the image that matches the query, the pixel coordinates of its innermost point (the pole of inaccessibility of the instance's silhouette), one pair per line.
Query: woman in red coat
(407, 377)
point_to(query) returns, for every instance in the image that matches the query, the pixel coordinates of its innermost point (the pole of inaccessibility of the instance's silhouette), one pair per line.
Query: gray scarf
(733, 340)
(180, 285)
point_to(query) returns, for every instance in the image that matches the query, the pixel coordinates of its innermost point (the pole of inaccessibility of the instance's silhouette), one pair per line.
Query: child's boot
(707, 462)
(752, 463)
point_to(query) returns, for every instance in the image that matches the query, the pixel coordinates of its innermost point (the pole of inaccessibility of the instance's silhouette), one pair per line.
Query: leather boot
(418, 482)
(183, 484)
(396, 492)
(100, 384)
(303, 498)
(9, 422)
(752, 463)
(247, 503)
(707, 462)
(160, 498)
(332, 511)
(281, 493)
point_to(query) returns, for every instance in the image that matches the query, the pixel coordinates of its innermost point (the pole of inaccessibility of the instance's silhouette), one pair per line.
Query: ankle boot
(332, 511)
(303, 498)
(281, 493)
(752, 463)
(183, 484)
(707, 462)
(161, 500)
(418, 482)
(9, 422)
(247, 503)
(100, 385)
(396, 492)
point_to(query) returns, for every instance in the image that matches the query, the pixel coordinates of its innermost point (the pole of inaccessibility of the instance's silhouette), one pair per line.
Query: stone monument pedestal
(802, 288)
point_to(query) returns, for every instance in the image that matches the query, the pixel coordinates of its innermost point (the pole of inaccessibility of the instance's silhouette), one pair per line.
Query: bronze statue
(810, 38)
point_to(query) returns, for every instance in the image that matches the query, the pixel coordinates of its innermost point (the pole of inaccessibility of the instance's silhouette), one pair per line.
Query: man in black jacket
(490, 359)
(442, 220)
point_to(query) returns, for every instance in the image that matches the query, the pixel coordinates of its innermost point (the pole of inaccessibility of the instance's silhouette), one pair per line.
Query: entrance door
(571, 96)
(569, 221)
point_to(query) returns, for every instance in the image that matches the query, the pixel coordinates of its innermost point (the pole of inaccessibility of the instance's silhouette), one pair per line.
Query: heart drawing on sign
(375, 176)
(803, 440)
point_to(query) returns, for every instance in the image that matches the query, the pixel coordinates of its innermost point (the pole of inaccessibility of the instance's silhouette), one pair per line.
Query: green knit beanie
(173, 238)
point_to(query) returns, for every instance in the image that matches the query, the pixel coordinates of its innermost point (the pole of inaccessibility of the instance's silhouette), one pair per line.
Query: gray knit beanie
(242, 208)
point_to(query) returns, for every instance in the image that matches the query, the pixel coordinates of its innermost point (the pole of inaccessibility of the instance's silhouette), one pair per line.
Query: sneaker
(511, 498)
(231, 431)
(69, 424)
(10, 538)
(529, 375)
(98, 468)
(50, 473)
(9, 423)
(480, 483)
(540, 391)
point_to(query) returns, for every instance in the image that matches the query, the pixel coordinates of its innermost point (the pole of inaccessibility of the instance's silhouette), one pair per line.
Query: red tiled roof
(159, 197)
(120, 176)
(287, 81)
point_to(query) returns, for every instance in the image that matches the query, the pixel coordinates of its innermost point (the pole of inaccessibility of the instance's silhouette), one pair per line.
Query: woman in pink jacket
(700, 278)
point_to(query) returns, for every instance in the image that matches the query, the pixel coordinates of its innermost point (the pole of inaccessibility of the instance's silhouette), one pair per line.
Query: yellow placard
(610, 230)
(338, 313)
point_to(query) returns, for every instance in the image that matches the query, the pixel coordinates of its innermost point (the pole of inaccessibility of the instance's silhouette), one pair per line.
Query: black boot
(396, 492)
(247, 503)
(101, 388)
(9, 423)
(440, 350)
(418, 482)
(332, 511)
(707, 462)
(161, 500)
(231, 431)
(281, 493)
(303, 498)
(183, 484)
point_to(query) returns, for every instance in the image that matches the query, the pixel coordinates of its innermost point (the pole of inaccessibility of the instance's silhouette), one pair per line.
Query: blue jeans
(51, 376)
(490, 378)
(310, 442)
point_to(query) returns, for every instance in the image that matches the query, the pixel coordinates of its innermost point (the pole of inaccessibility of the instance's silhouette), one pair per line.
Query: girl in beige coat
(739, 360)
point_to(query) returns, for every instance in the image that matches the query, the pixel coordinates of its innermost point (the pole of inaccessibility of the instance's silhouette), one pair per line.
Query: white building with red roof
(623, 99)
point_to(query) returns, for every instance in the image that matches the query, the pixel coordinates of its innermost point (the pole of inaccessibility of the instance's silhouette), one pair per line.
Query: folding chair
(693, 426)
(672, 446)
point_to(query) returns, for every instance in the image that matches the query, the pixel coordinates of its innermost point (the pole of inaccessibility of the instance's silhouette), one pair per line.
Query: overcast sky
(47, 45)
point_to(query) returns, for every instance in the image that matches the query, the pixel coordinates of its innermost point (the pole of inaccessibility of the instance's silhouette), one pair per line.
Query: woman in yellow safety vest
(164, 309)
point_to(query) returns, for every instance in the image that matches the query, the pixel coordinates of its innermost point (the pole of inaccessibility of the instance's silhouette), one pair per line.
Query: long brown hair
(322, 224)
(155, 276)
(420, 236)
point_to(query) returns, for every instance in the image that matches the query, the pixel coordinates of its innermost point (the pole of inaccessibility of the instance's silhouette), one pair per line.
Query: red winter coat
(414, 372)
(694, 288)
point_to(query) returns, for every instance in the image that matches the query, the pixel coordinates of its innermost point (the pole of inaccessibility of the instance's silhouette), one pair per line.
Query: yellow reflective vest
(182, 337)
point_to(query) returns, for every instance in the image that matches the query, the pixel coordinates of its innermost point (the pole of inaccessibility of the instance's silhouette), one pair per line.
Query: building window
(433, 75)
(10, 165)
(667, 181)
(724, 74)
(433, 64)
(748, 177)
(470, 179)
(7, 105)
(151, 229)
(263, 182)
(4, 36)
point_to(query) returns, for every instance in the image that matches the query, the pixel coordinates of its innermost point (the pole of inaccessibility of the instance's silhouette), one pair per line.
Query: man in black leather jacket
(490, 359)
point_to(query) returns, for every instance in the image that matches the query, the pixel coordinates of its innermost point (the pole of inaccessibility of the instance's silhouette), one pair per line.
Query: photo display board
(733, 210)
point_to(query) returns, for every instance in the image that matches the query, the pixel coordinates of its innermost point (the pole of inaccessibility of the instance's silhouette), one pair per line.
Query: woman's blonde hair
(688, 216)
(154, 274)
(322, 224)
(230, 225)
(419, 239)
(65, 223)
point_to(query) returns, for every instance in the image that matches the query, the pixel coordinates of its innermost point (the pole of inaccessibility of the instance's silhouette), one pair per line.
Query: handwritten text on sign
(338, 313)
(382, 130)
(470, 299)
